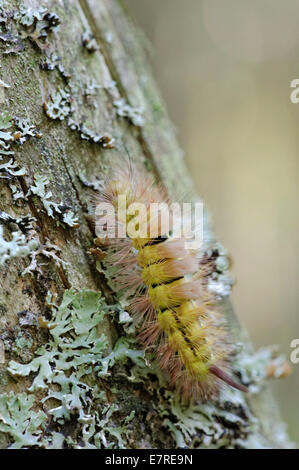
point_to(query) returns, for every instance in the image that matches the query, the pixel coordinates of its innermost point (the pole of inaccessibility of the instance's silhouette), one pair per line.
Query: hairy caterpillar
(166, 283)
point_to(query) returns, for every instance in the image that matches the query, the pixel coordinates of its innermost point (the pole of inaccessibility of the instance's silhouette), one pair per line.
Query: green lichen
(68, 369)
(69, 372)
(19, 420)
(77, 316)
(23, 346)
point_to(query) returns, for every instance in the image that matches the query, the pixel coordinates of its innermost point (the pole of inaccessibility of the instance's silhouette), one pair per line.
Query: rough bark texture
(68, 156)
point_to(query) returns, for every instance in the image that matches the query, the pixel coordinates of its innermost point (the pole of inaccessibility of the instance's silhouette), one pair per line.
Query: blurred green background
(224, 69)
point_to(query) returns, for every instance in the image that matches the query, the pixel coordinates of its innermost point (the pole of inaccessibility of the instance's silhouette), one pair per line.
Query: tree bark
(68, 84)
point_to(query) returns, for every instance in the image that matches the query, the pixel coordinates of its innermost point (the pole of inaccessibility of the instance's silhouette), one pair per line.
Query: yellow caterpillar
(166, 283)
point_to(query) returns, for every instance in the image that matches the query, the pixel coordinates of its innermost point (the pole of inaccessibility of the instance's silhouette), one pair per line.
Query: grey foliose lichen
(17, 193)
(37, 24)
(6, 135)
(10, 169)
(63, 212)
(24, 241)
(220, 281)
(214, 255)
(54, 62)
(89, 41)
(16, 247)
(59, 105)
(43, 250)
(24, 223)
(133, 114)
(26, 129)
(13, 131)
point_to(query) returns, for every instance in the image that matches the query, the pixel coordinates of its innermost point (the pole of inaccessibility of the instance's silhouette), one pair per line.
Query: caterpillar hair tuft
(177, 316)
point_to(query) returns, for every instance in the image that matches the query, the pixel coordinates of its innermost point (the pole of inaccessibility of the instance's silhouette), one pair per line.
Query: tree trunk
(89, 98)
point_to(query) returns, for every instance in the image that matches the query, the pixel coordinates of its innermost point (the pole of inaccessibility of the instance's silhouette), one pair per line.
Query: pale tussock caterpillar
(177, 315)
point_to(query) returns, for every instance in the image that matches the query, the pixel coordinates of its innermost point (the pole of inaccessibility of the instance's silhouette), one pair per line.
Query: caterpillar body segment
(166, 285)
